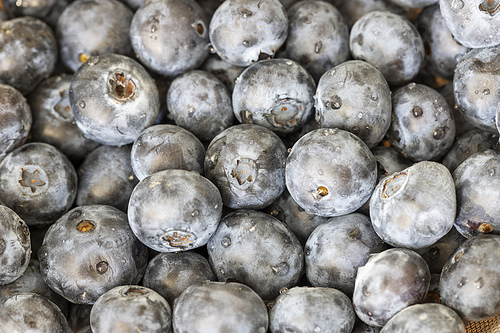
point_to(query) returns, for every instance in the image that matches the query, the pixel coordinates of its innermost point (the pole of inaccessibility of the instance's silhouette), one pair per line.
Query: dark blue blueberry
(330, 172)
(15, 119)
(106, 177)
(354, 96)
(243, 161)
(170, 36)
(200, 103)
(131, 308)
(307, 309)
(422, 127)
(113, 99)
(414, 4)
(389, 161)
(53, 121)
(28, 52)
(462, 126)
(353, 10)
(170, 274)
(91, 27)
(245, 31)
(389, 282)
(336, 249)
(46, 10)
(226, 73)
(212, 307)
(390, 43)
(29, 312)
(275, 93)
(15, 246)
(38, 182)
(318, 36)
(470, 280)
(174, 210)
(90, 250)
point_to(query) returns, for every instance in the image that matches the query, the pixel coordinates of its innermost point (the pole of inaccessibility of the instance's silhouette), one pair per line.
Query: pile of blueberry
(249, 165)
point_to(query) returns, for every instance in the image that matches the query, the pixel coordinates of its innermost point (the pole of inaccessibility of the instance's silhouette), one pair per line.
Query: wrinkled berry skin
(415, 207)
(162, 51)
(170, 274)
(15, 246)
(390, 43)
(15, 119)
(470, 280)
(174, 210)
(53, 121)
(91, 27)
(318, 36)
(330, 172)
(213, 307)
(38, 182)
(24, 69)
(163, 147)
(200, 103)
(336, 249)
(113, 99)
(90, 250)
(242, 162)
(477, 182)
(274, 93)
(475, 86)
(425, 318)
(28, 312)
(307, 309)
(474, 24)
(106, 177)
(389, 282)
(273, 258)
(245, 31)
(423, 127)
(354, 96)
(131, 308)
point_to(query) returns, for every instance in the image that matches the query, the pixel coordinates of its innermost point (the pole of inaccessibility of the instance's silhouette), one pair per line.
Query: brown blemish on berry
(120, 87)
(83, 57)
(485, 228)
(322, 191)
(85, 226)
(390, 180)
(178, 239)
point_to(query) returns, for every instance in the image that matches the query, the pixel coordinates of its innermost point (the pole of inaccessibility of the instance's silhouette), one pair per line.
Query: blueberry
(472, 23)
(330, 172)
(28, 52)
(273, 257)
(354, 96)
(131, 308)
(475, 86)
(425, 318)
(414, 4)
(318, 36)
(46, 10)
(336, 249)
(443, 52)
(307, 309)
(106, 177)
(113, 99)
(15, 246)
(242, 162)
(174, 210)
(226, 73)
(79, 317)
(422, 127)
(170, 36)
(415, 207)
(90, 250)
(470, 280)
(274, 93)
(212, 307)
(389, 161)
(462, 126)
(170, 274)
(389, 282)
(91, 27)
(200, 103)
(476, 182)
(390, 43)
(354, 9)
(163, 147)
(53, 122)
(38, 182)
(245, 31)
(29, 312)
(15, 119)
